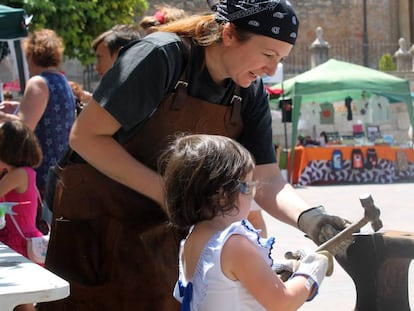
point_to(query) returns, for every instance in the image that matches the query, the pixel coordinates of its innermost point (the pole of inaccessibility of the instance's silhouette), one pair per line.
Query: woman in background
(48, 103)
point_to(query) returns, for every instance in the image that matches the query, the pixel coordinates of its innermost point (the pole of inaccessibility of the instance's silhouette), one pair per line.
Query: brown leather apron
(114, 245)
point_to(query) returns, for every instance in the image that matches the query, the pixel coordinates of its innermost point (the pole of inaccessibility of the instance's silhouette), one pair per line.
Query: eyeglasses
(248, 187)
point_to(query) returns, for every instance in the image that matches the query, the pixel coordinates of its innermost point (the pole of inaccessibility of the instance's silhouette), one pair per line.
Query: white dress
(210, 289)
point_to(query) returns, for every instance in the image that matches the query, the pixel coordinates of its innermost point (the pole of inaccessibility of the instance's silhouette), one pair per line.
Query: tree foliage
(78, 22)
(386, 63)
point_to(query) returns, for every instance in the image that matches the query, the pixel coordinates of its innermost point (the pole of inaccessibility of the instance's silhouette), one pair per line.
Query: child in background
(20, 152)
(224, 264)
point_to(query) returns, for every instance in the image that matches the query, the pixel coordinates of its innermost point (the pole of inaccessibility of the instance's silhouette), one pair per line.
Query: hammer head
(372, 213)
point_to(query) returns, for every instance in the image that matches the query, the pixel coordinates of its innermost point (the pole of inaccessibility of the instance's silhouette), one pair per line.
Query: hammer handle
(342, 236)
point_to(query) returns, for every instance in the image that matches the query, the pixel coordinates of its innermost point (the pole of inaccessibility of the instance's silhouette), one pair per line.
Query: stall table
(24, 282)
(313, 165)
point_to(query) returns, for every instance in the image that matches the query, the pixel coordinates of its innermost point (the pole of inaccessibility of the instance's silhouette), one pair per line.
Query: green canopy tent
(13, 27)
(334, 80)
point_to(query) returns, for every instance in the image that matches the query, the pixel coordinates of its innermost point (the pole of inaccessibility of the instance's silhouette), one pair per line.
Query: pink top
(26, 216)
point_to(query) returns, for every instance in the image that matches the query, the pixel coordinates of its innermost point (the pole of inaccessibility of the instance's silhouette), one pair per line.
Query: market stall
(337, 81)
(316, 165)
(13, 27)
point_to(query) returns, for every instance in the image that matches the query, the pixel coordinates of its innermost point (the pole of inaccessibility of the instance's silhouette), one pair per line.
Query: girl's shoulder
(24, 172)
(245, 229)
(29, 170)
(21, 171)
(17, 179)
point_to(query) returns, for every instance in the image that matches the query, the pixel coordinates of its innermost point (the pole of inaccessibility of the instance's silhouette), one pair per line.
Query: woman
(48, 103)
(112, 207)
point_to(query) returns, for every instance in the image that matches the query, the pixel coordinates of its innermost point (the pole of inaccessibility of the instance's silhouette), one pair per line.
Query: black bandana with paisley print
(272, 18)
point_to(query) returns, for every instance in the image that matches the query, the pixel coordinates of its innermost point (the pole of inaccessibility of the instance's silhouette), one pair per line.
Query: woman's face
(245, 61)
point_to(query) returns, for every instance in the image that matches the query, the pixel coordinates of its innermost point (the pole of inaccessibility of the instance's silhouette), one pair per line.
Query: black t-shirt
(148, 70)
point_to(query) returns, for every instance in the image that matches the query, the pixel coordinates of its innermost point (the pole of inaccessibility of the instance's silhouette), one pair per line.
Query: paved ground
(396, 202)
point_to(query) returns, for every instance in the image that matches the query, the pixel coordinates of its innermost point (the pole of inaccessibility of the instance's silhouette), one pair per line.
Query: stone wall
(343, 24)
(343, 19)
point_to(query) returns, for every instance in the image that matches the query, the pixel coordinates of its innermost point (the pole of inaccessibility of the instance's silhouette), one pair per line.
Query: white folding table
(22, 281)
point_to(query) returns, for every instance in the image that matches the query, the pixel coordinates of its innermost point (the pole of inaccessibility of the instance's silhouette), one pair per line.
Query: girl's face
(246, 195)
(245, 61)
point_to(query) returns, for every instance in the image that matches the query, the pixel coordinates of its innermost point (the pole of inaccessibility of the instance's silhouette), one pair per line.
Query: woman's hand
(9, 106)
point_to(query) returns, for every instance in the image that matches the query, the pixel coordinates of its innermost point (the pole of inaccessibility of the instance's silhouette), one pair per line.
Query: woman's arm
(277, 196)
(91, 137)
(33, 105)
(283, 202)
(10, 106)
(34, 101)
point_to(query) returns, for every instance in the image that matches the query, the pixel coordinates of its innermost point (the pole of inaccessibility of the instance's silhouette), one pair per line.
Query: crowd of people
(162, 165)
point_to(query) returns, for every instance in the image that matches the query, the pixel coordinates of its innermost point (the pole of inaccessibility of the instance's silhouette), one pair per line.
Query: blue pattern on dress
(54, 126)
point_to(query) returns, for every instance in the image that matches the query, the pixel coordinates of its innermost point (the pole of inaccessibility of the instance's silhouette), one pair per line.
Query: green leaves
(78, 22)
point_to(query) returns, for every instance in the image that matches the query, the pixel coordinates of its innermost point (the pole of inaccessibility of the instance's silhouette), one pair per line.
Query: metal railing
(350, 51)
(299, 59)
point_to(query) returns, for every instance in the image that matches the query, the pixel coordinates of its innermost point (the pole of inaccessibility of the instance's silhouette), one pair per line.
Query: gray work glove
(286, 267)
(315, 266)
(320, 226)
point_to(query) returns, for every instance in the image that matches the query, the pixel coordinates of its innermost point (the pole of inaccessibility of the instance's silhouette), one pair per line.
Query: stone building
(359, 31)
(352, 28)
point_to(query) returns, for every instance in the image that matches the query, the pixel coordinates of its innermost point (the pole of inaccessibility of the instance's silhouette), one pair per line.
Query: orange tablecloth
(304, 155)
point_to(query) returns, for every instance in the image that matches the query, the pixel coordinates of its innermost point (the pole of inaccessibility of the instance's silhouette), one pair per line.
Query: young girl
(19, 153)
(224, 264)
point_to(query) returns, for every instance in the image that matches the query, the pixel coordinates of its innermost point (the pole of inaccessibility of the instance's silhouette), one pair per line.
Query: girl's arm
(16, 179)
(241, 261)
(91, 137)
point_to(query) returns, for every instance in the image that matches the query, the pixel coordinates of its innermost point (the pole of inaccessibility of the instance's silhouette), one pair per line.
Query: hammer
(340, 242)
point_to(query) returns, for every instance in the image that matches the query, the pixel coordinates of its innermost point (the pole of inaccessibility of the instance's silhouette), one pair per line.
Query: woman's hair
(201, 175)
(203, 28)
(45, 47)
(77, 89)
(19, 145)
